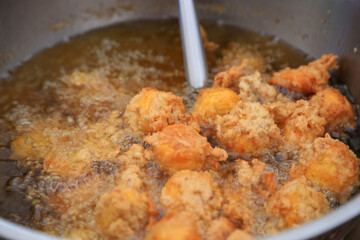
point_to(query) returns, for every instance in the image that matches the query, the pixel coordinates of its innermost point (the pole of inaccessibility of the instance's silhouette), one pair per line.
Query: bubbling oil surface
(132, 56)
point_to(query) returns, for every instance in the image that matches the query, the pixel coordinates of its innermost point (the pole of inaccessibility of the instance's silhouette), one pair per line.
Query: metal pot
(315, 27)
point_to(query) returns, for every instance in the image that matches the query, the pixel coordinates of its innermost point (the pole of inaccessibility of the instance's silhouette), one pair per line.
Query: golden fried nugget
(212, 102)
(219, 229)
(248, 128)
(300, 121)
(192, 192)
(179, 147)
(296, 203)
(335, 108)
(240, 235)
(181, 226)
(122, 211)
(306, 79)
(151, 110)
(329, 164)
(254, 88)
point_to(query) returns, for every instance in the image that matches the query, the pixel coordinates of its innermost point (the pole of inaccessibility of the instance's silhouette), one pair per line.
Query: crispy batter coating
(255, 185)
(249, 175)
(181, 226)
(230, 77)
(240, 235)
(151, 110)
(329, 164)
(237, 61)
(296, 203)
(306, 79)
(193, 192)
(133, 162)
(300, 122)
(254, 88)
(122, 211)
(219, 229)
(179, 147)
(248, 128)
(214, 101)
(241, 207)
(335, 108)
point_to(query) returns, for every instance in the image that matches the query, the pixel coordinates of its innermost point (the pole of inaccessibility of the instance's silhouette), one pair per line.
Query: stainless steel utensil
(193, 50)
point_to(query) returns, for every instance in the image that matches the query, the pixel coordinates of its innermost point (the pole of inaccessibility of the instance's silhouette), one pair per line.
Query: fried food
(237, 61)
(335, 108)
(240, 235)
(192, 192)
(179, 147)
(214, 102)
(307, 79)
(300, 121)
(151, 110)
(248, 128)
(229, 77)
(122, 211)
(254, 184)
(254, 88)
(105, 159)
(181, 226)
(240, 207)
(219, 229)
(249, 175)
(329, 164)
(296, 203)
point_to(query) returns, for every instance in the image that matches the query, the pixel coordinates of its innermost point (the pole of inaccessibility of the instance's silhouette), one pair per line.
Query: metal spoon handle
(193, 50)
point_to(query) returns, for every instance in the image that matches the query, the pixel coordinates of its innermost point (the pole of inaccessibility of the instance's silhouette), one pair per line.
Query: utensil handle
(193, 50)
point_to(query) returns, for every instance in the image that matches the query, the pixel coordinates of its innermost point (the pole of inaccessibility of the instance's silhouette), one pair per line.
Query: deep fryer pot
(313, 26)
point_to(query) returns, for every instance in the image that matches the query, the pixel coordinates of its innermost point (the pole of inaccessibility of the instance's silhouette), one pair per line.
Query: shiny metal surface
(193, 50)
(313, 26)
